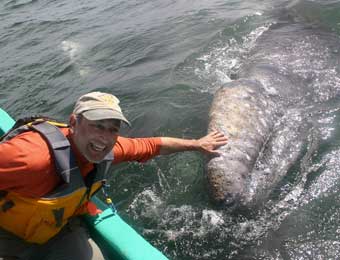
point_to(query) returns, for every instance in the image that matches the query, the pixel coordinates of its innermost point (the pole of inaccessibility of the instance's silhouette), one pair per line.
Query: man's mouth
(97, 147)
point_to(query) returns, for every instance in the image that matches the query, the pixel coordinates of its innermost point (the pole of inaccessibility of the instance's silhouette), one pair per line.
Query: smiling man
(49, 171)
(95, 124)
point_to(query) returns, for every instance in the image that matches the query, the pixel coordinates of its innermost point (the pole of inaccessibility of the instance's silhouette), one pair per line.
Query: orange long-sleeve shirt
(26, 165)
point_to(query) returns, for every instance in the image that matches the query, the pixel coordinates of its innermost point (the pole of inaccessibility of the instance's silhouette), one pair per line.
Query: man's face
(94, 139)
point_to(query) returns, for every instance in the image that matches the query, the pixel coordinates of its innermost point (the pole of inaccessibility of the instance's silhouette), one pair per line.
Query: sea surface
(165, 59)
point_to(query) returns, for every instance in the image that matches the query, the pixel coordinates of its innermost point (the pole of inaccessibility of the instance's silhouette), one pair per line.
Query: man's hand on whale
(210, 143)
(207, 144)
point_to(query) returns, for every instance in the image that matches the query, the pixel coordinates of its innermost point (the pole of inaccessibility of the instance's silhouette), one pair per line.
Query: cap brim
(101, 114)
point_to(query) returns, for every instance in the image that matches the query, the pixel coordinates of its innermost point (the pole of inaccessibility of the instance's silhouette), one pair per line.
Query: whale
(264, 112)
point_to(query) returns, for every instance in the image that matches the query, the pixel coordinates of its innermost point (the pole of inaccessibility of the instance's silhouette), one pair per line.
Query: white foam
(212, 217)
(220, 62)
(71, 48)
(73, 51)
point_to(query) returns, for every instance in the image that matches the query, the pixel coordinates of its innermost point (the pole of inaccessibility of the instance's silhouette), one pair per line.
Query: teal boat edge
(6, 122)
(114, 236)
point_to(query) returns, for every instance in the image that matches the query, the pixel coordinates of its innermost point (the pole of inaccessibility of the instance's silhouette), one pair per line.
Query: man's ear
(73, 121)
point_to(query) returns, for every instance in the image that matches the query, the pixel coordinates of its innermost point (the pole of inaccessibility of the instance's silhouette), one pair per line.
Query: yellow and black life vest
(37, 220)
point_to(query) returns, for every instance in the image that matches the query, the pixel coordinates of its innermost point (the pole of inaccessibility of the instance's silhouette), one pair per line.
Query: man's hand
(211, 142)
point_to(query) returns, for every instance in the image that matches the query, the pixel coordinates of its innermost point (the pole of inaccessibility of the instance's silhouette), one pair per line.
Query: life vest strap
(58, 216)
(64, 160)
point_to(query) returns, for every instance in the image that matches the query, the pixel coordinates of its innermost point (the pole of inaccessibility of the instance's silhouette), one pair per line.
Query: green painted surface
(117, 238)
(6, 122)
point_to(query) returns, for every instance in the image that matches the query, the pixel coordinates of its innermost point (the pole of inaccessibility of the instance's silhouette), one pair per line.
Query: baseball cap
(98, 106)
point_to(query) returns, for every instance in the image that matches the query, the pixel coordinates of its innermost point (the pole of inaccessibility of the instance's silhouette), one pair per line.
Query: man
(48, 174)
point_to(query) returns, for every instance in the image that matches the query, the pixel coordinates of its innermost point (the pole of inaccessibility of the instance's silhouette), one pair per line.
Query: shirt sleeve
(136, 149)
(26, 165)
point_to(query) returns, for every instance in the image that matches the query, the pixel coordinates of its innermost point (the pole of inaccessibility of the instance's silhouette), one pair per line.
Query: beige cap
(99, 106)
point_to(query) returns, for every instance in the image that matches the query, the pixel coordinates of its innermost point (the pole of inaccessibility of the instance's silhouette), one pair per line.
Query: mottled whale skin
(262, 113)
(246, 116)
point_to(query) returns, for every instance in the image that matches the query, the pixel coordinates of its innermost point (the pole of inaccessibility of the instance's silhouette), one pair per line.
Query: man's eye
(114, 131)
(97, 126)
(100, 127)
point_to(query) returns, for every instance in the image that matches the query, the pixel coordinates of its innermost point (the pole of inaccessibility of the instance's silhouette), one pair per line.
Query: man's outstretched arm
(207, 144)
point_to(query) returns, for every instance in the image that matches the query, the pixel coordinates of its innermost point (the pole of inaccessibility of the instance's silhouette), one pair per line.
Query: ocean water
(165, 59)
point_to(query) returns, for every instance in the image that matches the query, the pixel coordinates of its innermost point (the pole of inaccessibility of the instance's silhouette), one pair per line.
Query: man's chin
(95, 159)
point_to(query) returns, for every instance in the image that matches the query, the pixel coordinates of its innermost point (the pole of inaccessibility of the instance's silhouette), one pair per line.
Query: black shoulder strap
(100, 171)
(63, 156)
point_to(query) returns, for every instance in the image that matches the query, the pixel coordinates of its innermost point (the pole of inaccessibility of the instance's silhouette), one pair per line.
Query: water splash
(221, 62)
(73, 51)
